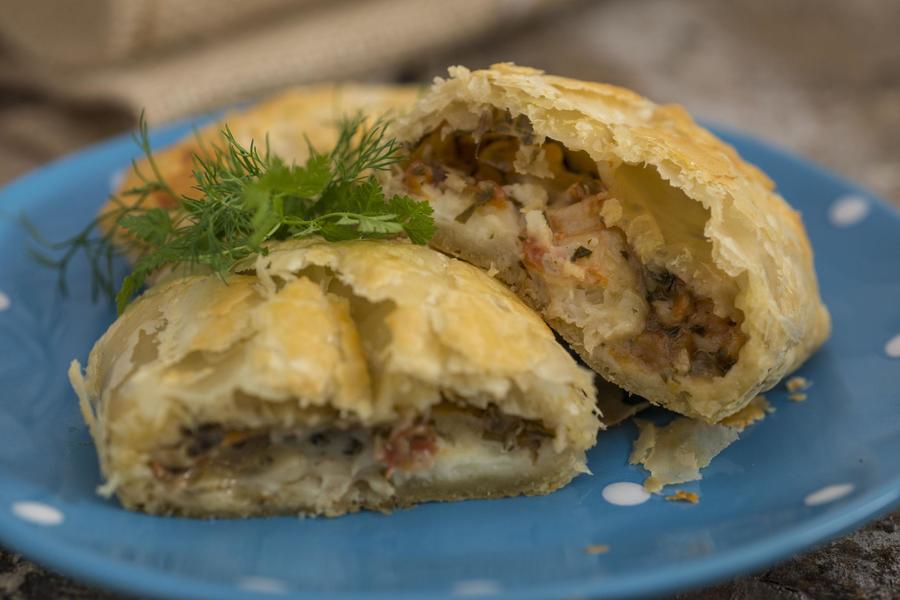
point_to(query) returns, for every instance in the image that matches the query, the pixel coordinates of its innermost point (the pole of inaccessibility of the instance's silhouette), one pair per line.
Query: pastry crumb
(596, 549)
(492, 270)
(754, 412)
(676, 452)
(683, 496)
(797, 396)
(797, 384)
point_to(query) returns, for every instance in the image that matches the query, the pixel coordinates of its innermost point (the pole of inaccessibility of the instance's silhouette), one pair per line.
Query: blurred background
(819, 77)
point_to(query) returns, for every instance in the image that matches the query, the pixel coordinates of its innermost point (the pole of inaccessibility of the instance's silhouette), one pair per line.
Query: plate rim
(71, 559)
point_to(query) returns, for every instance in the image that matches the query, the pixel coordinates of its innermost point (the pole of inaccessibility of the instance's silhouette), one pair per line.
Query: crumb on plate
(797, 396)
(683, 496)
(596, 549)
(797, 384)
(676, 452)
(754, 412)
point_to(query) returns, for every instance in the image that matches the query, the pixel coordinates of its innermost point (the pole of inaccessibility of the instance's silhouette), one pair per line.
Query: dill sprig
(245, 198)
(100, 250)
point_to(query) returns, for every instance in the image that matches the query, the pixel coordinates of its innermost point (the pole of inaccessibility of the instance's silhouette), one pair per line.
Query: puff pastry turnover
(328, 378)
(670, 264)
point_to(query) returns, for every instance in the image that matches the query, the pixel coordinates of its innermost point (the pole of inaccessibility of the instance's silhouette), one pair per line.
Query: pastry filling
(345, 455)
(552, 198)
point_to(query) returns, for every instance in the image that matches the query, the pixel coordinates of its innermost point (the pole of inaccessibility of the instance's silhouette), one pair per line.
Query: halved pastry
(667, 262)
(327, 378)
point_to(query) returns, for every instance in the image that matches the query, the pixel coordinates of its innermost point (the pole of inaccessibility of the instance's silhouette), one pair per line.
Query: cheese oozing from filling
(536, 199)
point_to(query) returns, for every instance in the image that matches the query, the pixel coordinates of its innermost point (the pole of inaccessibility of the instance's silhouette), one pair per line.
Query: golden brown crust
(360, 333)
(737, 240)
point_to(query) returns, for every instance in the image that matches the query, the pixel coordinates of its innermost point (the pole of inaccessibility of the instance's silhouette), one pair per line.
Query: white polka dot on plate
(37, 513)
(625, 493)
(848, 210)
(264, 585)
(892, 347)
(476, 587)
(828, 494)
(4, 301)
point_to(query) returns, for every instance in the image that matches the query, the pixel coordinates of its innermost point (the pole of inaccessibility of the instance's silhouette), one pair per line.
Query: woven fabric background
(75, 71)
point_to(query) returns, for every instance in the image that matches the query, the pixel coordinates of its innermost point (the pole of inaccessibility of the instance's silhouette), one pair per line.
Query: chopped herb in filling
(408, 446)
(581, 252)
(683, 328)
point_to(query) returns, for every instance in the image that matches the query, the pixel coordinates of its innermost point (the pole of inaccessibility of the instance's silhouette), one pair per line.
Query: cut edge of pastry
(561, 185)
(208, 400)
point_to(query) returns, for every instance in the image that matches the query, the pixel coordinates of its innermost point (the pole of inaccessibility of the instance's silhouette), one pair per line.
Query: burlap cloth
(75, 71)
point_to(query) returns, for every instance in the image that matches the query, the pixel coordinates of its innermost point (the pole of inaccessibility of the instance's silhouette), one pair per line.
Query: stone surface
(821, 78)
(862, 566)
(23, 580)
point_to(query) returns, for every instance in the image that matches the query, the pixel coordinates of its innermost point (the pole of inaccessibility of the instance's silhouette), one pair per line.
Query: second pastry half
(666, 261)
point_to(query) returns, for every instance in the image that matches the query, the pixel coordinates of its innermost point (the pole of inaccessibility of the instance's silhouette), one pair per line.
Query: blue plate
(810, 471)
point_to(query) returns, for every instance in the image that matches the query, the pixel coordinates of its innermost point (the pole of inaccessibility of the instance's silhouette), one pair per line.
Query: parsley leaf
(416, 218)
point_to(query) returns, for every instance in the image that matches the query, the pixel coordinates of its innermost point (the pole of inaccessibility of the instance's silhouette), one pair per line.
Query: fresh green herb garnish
(244, 199)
